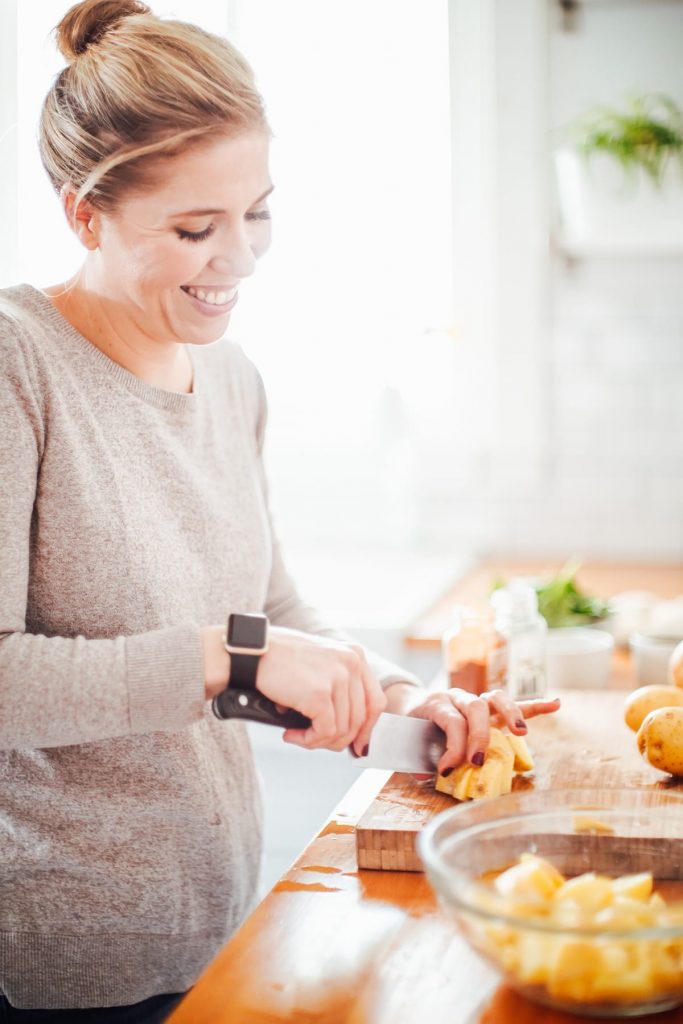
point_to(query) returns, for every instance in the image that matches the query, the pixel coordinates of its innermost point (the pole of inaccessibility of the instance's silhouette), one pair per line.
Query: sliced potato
(524, 762)
(469, 782)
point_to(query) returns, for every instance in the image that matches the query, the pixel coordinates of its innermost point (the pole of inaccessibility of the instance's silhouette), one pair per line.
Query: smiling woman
(155, 278)
(134, 520)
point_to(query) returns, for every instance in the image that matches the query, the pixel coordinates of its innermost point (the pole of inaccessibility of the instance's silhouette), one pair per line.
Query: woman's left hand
(466, 719)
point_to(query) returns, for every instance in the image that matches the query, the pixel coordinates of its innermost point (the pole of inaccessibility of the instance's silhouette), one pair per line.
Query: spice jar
(517, 618)
(474, 651)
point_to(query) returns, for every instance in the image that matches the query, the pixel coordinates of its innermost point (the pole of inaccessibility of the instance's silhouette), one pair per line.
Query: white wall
(617, 321)
(577, 364)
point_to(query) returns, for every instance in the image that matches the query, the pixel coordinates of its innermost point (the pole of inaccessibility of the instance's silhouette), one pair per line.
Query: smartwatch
(246, 640)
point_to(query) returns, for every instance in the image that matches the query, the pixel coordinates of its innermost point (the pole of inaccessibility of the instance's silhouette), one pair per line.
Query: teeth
(213, 298)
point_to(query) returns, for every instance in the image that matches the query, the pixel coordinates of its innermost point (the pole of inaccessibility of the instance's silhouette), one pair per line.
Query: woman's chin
(208, 333)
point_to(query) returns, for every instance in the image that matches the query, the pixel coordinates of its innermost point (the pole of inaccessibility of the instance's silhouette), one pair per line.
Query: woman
(133, 519)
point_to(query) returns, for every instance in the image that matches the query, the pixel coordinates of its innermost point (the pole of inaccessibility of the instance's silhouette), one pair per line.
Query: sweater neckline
(159, 397)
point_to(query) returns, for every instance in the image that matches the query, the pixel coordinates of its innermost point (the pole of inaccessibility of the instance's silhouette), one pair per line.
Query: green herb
(562, 603)
(646, 136)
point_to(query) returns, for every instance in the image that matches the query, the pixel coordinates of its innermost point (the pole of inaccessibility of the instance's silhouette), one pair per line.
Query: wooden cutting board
(584, 745)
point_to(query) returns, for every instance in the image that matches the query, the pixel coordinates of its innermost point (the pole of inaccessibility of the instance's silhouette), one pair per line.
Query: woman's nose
(236, 259)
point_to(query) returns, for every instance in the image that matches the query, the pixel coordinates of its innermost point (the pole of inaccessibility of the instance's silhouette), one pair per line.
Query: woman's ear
(82, 219)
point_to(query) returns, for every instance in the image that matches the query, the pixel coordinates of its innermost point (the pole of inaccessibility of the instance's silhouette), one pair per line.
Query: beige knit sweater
(130, 820)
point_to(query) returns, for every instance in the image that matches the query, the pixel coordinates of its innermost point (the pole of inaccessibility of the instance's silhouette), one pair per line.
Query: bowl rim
(601, 642)
(435, 867)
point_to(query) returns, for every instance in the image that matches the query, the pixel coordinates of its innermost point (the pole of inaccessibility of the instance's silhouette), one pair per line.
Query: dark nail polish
(446, 772)
(366, 750)
(352, 751)
(478, 759)
(520, 723)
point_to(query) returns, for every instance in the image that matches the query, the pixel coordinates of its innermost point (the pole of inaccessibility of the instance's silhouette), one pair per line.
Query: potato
(532, 877)
(641, 702)
(524, 762)
(676, 666)
(660, 740)
(588, 892)
(505, 755)
(581, 969)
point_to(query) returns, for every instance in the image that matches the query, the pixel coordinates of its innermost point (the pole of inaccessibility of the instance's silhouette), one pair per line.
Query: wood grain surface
(585, 745)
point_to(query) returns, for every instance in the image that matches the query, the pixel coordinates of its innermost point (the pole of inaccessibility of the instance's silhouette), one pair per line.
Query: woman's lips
(211, 308)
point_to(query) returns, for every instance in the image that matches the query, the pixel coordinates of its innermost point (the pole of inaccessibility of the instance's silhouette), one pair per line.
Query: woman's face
(170, 260)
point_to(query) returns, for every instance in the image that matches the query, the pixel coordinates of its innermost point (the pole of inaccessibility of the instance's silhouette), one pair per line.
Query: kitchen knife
(398, 742)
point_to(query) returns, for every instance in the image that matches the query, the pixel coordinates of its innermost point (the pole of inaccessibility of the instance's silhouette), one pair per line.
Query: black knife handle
(254, 707)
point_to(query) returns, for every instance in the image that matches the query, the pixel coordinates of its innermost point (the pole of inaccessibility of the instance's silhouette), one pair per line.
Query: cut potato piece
(590, 892)
(469, 782)
(531, 877)
(445, 783)
(462, 782)
(488, 780)
(584, 823)
(524, 762)
(584, 969)
(638, 887)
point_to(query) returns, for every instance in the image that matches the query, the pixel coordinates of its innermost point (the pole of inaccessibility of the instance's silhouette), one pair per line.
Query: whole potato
(676, 666)
(660, 740)
(642, 701)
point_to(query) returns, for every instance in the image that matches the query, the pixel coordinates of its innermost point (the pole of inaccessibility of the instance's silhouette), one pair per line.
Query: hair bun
(84, 24)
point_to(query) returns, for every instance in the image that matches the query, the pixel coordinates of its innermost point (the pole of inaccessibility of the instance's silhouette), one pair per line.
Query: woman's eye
(195, 236)
(258, 215)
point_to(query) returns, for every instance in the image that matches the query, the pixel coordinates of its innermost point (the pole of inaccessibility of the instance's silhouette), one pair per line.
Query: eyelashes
(201, 236)
(195, 236)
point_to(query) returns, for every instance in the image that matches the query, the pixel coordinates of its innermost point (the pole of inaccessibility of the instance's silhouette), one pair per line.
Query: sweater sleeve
(56, 691)
(284, 606)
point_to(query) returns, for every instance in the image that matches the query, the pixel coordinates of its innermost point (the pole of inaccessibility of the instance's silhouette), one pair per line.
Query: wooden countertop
(336, 945)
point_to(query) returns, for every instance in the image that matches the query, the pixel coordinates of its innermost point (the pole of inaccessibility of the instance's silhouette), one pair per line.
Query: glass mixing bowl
(600, 952)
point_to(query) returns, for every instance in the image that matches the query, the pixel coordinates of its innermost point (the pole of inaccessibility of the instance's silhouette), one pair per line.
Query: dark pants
(150, 1011)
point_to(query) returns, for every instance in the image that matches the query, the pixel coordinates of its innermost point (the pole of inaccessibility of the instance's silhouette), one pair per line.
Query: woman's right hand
(327, 680)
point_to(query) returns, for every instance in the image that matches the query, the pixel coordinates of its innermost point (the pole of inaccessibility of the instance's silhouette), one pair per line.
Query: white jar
(517, 618)
(651, 656)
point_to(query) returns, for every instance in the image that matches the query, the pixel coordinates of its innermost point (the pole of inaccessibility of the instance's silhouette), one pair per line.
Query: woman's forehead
(211, 176)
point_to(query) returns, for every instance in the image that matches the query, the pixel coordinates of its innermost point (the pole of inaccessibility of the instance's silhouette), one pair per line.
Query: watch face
(247, 631)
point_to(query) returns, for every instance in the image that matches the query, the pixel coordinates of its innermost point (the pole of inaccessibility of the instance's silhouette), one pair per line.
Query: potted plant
(620, 182)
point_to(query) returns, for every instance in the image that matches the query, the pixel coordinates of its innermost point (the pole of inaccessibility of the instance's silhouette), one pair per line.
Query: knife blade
(398, 742)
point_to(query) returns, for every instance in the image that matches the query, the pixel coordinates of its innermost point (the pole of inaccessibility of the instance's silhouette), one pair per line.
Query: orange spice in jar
(474, 652)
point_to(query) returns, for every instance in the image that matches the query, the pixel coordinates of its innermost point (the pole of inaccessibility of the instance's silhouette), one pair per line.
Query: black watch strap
(243, 669)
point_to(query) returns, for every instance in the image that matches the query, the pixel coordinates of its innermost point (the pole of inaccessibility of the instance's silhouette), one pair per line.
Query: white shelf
(605, 213)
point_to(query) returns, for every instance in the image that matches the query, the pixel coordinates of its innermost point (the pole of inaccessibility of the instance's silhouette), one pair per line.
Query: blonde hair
(137, 89)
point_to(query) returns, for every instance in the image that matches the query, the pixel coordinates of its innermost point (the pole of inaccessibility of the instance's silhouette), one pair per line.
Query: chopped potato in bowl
(589, 922)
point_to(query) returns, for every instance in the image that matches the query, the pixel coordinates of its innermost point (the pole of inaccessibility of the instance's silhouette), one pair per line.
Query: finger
(454, 724)
(531, 708)
(506, 712)
(342, 713)
(375, 703)
(359, 713)
(477, 715)
(297, 737)
(322, 729)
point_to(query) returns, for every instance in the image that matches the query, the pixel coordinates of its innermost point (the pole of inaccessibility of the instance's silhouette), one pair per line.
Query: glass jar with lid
(474, 651)
(517, 618)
